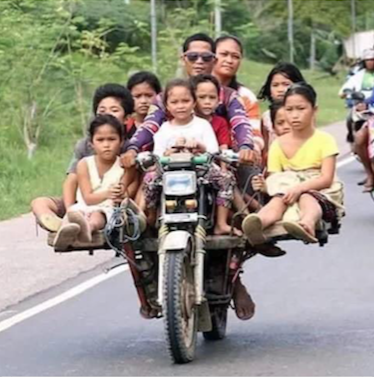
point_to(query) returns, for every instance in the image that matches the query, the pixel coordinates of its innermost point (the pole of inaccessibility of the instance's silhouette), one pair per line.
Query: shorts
(60, 206)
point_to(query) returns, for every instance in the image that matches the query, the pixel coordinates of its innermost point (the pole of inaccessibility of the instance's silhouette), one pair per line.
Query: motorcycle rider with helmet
(362, 82)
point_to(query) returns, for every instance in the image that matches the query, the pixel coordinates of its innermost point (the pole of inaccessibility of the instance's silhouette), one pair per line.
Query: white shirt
(198, 129)
(355, 83)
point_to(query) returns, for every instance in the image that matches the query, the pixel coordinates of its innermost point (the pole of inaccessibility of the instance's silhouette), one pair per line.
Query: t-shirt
(230, 107)
(222, 130)
(198, 129)
(310, 155)
(368, 81)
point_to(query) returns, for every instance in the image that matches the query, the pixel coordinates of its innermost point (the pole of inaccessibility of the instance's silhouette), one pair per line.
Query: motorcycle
(196, 271)
(184, 274)
(356, 118)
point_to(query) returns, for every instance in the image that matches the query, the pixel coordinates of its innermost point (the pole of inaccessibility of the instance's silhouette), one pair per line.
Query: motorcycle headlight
(179, 183)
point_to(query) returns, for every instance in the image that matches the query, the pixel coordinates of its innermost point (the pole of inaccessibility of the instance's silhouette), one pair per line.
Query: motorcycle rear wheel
(180, 314)
(219, 323)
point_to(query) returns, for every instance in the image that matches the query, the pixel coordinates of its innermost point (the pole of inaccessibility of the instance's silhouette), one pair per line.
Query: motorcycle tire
(219, 323)
(179, 310)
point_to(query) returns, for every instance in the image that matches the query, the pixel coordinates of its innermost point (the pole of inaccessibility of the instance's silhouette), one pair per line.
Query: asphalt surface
(315, 316)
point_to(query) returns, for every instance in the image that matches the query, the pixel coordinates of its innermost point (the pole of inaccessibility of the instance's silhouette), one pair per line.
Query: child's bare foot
(225, 229)
(243, 303)
(252, 227)
(301, 230)
(85, 234)
(66, 236)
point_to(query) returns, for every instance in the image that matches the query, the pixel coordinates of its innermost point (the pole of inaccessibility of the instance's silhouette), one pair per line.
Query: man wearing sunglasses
(199, 57)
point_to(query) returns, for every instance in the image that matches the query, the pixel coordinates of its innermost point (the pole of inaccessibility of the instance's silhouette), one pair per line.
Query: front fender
(176, 241)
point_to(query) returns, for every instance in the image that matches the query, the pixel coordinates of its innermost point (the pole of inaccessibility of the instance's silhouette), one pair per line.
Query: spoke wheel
(180, 314)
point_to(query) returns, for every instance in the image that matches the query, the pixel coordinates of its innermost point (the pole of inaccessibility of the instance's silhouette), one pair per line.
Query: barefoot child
(101, 180)
(194, 133)
(302, 167)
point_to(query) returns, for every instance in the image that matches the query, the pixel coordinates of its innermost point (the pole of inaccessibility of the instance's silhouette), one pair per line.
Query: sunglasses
(193, 57)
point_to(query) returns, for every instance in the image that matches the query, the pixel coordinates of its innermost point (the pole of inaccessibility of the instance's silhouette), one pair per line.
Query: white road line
(79, 289)
(346, 161)
(73, 292)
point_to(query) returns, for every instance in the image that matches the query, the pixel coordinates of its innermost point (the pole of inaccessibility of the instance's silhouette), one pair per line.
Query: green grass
(22, 180)
(331, 107)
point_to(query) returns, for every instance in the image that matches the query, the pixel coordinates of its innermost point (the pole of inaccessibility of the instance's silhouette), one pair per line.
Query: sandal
(66, 236)
(299, 232)
(269, 250)
(252, 228)
(77, 217)
(51, 223)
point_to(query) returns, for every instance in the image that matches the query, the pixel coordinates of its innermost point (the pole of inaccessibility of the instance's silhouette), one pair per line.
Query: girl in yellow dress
(301, 169)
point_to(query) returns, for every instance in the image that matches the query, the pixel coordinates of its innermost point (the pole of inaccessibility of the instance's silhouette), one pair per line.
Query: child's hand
(258, 183)
(180, 142)
(170, 151)
(292, 195)
(191, 144)
(116, 192)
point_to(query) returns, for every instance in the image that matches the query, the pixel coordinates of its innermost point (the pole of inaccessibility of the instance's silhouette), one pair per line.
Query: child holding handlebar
(185, 130)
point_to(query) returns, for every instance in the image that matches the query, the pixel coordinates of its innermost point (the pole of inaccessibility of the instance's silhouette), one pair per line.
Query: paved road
(315, 317)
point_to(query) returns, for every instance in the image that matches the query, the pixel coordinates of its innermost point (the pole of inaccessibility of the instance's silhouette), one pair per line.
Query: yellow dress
(306, 164)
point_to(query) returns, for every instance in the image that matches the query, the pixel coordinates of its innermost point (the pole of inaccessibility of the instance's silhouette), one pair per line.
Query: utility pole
(217, 18)
(353, 15)
(154, 34)
(290, 30)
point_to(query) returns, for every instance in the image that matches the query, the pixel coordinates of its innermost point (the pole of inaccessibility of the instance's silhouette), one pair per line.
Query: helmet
(368, 54)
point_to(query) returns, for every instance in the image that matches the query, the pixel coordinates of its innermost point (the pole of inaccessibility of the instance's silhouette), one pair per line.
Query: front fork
(200, 240)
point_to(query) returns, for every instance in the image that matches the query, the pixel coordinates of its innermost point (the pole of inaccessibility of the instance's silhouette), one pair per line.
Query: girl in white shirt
(184, 129)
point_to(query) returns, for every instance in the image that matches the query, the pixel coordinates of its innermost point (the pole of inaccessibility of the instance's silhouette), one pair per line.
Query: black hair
(199, 37)
(117, 91)
(105, 119)
(199, 79)
(144, 77)
(175, 83)
(285, 69)
(274, 108)
(233, 84)
(302, 89)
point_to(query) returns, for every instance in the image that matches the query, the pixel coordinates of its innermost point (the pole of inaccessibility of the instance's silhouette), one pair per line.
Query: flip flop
(269, 250)
(252, 228)
(51, 223)
(362, 183)
(299, 232)
(77, 217)
(66, 236)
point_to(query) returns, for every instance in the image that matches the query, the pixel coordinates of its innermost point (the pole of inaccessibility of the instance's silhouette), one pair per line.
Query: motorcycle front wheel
(179, 310)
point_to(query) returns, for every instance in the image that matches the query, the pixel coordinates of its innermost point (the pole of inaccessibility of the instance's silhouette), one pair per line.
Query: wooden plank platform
(276, 232)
